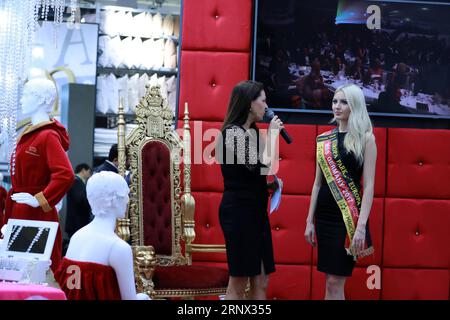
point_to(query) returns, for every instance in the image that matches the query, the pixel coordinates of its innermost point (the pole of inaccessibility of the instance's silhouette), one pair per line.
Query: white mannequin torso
(97, 241)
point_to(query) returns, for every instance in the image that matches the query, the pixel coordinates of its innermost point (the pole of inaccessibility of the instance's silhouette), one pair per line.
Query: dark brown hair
(240, 101)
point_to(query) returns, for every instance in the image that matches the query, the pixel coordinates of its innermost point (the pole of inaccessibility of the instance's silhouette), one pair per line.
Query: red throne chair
(161, 208)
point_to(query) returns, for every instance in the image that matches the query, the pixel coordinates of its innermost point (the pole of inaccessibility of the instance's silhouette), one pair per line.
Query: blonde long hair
(359, 124)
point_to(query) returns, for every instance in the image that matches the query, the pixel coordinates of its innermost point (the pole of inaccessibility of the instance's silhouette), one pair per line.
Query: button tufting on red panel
(417, 233)
(420, 163)
(207, 225)
(277, 228)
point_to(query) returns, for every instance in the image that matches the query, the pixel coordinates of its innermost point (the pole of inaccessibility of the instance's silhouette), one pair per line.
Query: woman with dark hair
(245, 164)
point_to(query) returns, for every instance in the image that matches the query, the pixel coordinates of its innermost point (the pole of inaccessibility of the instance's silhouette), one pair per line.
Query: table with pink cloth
(13, 291)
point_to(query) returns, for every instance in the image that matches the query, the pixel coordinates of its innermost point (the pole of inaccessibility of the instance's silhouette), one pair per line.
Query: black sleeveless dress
(329, 223)
(243, 209)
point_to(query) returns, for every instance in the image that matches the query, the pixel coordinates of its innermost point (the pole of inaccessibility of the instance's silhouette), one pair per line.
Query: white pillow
(168, 24)
(147, 27)
(115, 23)
(143, 80)
(122, 92)
(127, 49)
(136, 53)
(171, 84)
(104, 48)
(172, 101)
(133, 91)
(139, 24)
(102, 101)
(116, 52)
(153, 80)
(170, 60)
(162, 84)
(157, 25)
(176, 26)
(127, 27)
(158, 53)
(112, 94)
(148, 53)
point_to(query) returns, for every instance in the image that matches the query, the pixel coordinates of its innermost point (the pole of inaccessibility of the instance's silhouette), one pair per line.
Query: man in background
(112, 163)
(78, 209)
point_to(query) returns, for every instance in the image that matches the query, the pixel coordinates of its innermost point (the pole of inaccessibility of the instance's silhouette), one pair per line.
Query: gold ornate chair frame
(155, 124)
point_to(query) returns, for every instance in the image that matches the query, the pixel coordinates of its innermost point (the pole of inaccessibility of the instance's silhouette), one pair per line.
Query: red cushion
(290, 282)
(288, 225)
(207, 225)
(217, 25)
(416, 233)
(418, 163)
(156, 193)
(414, 284)
(190, 277)
(212, 76)
(297, 164)
(205, 172)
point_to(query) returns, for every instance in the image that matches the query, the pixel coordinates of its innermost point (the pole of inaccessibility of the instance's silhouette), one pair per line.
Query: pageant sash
(343, 188)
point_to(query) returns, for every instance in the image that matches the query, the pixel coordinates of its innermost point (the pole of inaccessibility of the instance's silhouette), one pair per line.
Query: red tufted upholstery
(204, 177)
(419, 163)
(207, 226)
(190, 277)
(157, 197)
(416, 233)
(413, 267)
(411, 284)
(355, 288)
(217, 25)
(210, 77)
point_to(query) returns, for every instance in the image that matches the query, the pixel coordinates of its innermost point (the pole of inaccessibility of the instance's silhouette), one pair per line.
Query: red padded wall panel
(355, 286)
(415, 284)
(297, 164)
(376, 231)
(418, 163)
(205, 173)
(288, 225)
(380, 170)
(290, 282)
(416, 233)
(207, 79)
(217, 25)
(207, 226)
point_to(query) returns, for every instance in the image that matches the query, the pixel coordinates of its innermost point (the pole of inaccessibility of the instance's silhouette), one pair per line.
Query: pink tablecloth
(10, 291)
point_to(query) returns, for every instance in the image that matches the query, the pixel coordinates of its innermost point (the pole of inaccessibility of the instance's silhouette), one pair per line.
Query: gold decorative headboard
(155, 132)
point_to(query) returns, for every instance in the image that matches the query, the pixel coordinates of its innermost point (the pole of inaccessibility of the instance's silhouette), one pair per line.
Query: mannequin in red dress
(98, 264)
(43, 173)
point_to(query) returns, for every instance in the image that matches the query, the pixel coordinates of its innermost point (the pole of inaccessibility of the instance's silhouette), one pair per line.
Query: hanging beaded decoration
(18, 21)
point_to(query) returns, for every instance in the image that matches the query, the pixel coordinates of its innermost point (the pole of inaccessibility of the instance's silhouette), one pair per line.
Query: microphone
(268, 116)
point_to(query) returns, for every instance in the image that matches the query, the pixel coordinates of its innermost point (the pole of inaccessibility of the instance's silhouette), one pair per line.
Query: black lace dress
(243, 210)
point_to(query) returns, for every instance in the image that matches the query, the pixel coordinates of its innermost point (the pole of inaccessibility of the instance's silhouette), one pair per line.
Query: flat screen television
(397, 52)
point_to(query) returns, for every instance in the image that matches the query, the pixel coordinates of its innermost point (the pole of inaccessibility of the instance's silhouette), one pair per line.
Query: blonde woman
(339, 211)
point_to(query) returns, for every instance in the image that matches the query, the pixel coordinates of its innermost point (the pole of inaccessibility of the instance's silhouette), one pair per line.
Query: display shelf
(123, 36)
(123, 71)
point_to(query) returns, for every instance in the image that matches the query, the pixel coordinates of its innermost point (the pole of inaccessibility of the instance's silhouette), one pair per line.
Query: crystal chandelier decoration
(18, 23)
